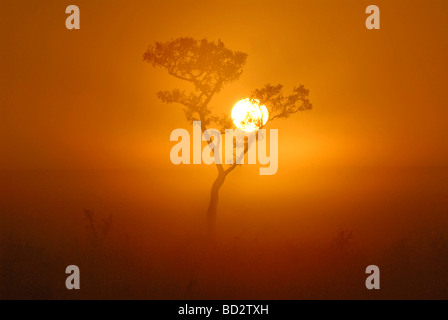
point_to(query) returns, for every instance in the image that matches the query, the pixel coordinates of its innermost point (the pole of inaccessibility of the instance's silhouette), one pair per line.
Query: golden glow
(248, 115)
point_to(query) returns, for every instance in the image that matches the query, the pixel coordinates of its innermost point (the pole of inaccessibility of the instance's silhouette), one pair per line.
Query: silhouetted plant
(208, 66)
(97, 231)
(343, 240)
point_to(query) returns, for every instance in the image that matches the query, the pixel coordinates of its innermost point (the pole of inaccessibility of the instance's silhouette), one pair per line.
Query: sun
(248, 115)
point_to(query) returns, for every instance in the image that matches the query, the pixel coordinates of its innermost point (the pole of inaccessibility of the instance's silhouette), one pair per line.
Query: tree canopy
(208, 66)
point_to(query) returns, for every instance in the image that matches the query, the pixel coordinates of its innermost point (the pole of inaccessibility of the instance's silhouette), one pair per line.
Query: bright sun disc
(248, 115)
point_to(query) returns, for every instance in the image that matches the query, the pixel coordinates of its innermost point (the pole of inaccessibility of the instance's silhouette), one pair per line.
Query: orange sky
(81, 128)
(85, 99)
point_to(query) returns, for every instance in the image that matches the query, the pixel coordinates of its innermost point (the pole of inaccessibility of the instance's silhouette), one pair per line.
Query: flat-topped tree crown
(207, 65)
(281, 106)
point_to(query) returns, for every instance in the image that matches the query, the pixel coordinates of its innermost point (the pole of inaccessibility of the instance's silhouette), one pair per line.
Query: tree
(208, 66)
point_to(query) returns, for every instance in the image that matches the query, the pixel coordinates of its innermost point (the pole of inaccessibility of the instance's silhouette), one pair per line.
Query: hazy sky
(85, 98)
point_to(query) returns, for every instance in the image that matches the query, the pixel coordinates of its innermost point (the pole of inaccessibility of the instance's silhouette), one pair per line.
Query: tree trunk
(213, 205)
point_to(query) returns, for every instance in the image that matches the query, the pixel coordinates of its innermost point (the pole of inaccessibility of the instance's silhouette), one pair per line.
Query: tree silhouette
(208, 66)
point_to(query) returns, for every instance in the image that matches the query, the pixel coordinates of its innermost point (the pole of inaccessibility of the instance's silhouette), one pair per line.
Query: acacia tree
(208, 66)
